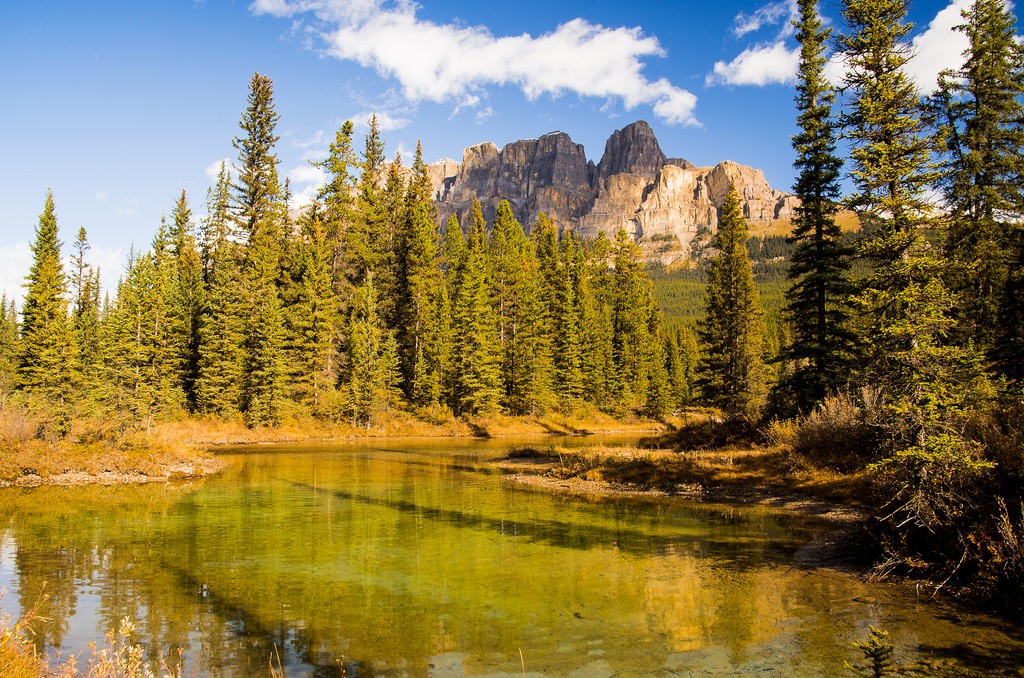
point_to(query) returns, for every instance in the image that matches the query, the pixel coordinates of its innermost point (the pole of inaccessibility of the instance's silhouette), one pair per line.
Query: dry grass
(398, 423)
(734, 471)
(28, 456)
(118, 657)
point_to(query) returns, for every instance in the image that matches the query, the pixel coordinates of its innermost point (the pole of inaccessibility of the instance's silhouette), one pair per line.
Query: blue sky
(119, 105)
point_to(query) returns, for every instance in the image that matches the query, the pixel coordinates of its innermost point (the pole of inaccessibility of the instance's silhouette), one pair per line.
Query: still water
(410, 558)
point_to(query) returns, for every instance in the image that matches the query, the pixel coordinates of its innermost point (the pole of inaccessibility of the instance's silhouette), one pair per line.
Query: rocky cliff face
(660, 201)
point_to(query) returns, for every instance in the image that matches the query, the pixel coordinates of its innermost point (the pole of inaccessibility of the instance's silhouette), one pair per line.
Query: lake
(417, 558)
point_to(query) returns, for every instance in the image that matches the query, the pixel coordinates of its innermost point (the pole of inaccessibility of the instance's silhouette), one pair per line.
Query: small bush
(835, 434)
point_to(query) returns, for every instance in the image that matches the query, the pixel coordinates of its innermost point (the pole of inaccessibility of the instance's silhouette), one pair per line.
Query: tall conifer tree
(337, 197)
(817, 299)
(47, 346)
(979, 117)
(731, 372)
(632, 341)
(186, 298)
(373, 377)
(260, 209)
(419, 283)
(8, 348)
(85, 319)
(906, 307)
(477, 349)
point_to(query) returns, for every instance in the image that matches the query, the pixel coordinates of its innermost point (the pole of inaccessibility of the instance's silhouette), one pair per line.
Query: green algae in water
(418, 559)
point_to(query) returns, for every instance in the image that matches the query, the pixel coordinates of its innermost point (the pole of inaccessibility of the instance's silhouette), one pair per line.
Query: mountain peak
(634, 149)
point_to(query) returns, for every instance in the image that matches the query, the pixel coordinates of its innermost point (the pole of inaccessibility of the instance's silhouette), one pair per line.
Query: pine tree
(373, 376)
(8, 349)
(567, 309)
(142, 363)
(257, 194)
(390, 238)
(452, 261)
(477, 346)
(222, 321)
(46, 360)
(217, 225)
(419, 292)
(222, 333)
(632, 341)
(186, 299)
(522, 315)
(337, 198)
(85, 319)
(260, 209)
(906, 307)
(817, 299)
(731, 374)
(313, 322)
(366, 240)
(596, 301)
(979, 117)
(681, 367)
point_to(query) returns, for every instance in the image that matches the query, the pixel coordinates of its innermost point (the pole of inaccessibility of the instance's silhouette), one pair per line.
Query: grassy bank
(766, 474)
(96, 452)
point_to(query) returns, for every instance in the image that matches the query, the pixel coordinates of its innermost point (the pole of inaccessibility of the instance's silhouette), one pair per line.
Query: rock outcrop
(660, 201)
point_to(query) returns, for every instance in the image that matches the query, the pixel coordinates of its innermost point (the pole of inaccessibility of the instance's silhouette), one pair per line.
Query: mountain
(661, 201)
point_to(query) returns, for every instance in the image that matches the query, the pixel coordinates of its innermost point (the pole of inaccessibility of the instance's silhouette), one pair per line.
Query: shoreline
(200, 468)
(189, 449)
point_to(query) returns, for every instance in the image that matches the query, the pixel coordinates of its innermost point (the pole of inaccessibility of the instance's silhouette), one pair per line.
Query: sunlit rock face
(660, 201)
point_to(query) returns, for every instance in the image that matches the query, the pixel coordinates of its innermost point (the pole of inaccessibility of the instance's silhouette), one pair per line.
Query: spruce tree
(366, 241)
(632, 340)
(224, 317)
(217, 225)
(522, 315)
(372, 379)
(337, 197)
(566, 280)
(477, 345)
(817, 299)
(186, 299)
(222, 333)
(905, 305)
(312, 320)
(85, 319)
(47, 349)
(419, 291)
(142, 362)
(260, 210)
(979, 118)
(8, 348)
(596, 302)
(731, 374)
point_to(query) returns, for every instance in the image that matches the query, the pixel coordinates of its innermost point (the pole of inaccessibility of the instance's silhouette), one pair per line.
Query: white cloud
(482, 116)
(305, 181)
(939, 47)
(102, 196)
(759, 65)
(768, 15)
(213, 169)
(446, 62)
(386, 121)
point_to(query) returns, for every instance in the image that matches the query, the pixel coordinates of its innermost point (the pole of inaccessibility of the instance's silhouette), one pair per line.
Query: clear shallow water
(413, 558)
